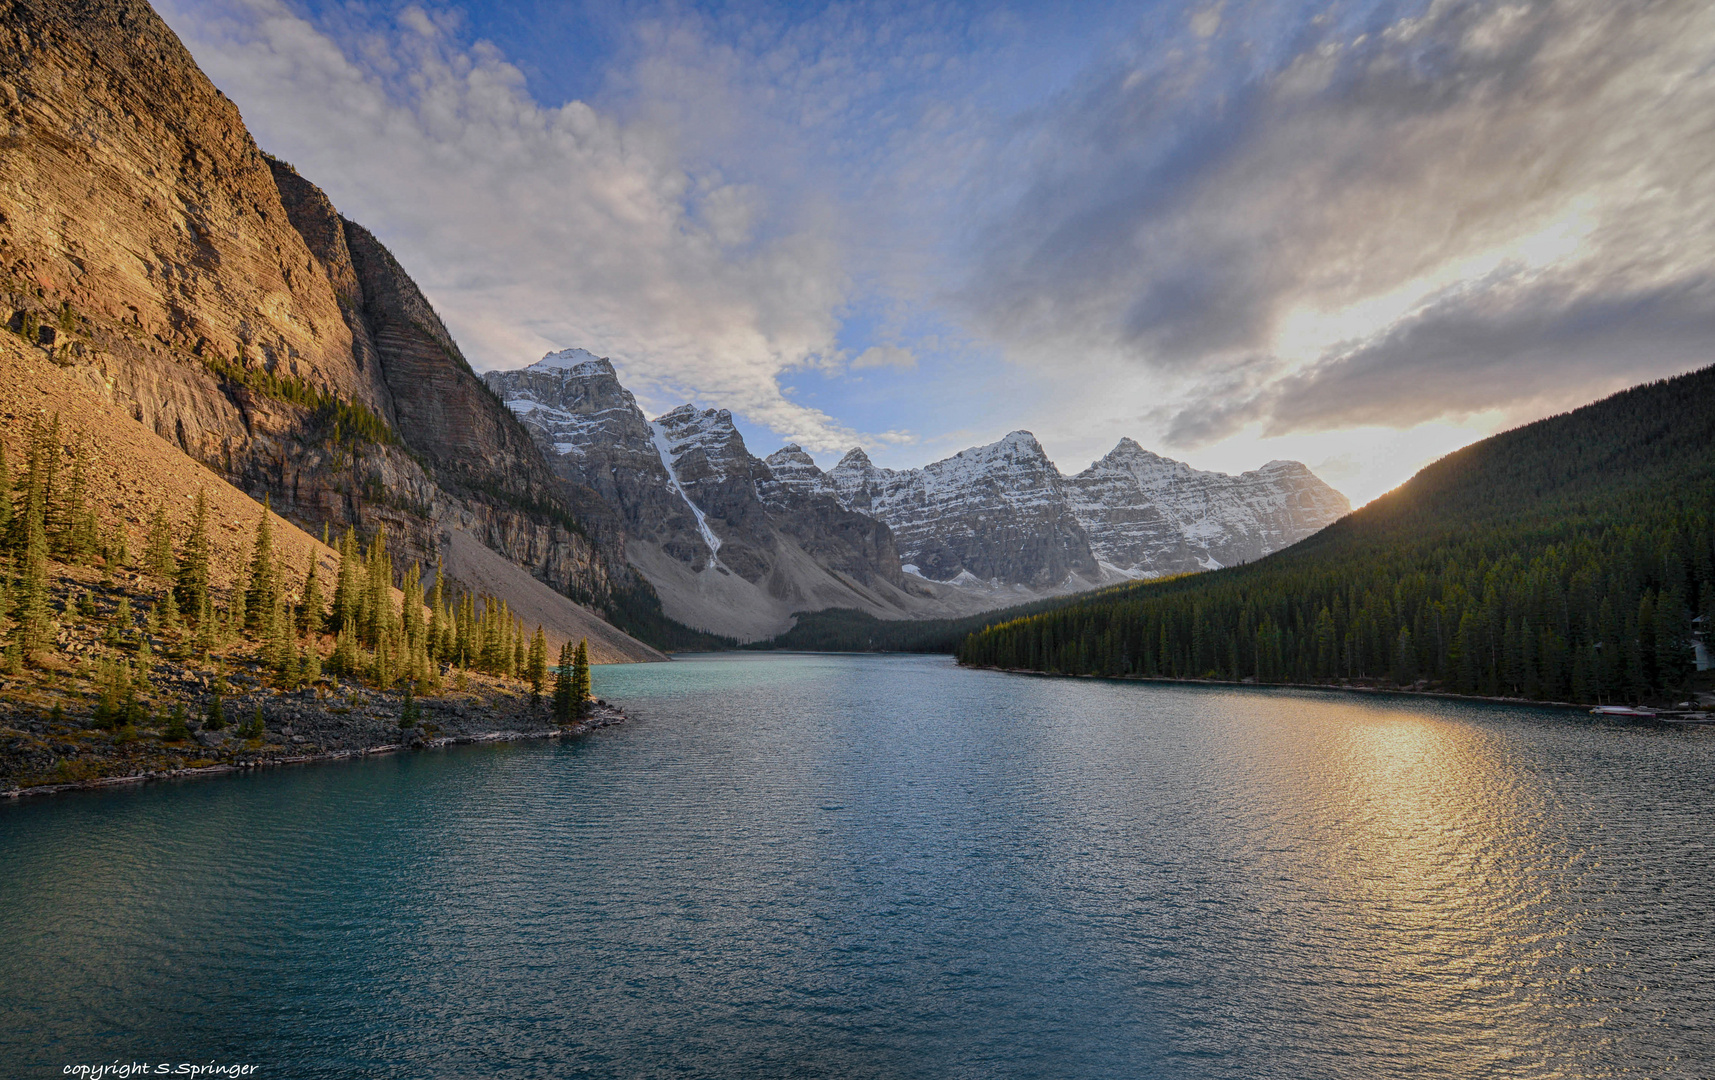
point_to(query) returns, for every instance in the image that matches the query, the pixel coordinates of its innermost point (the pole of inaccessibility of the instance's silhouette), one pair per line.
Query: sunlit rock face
(222, 299)
(1146, 514)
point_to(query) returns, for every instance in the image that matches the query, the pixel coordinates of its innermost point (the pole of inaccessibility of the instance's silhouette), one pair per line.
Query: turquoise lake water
(867, 866)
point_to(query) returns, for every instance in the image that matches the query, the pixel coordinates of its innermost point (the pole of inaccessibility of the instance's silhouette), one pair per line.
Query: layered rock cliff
(225, 303)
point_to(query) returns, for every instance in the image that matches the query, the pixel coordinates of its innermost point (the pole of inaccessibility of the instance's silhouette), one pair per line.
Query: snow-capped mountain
(1149, 515)
(737, 544)
(992, 513)
(1003, 513)
(727, 547)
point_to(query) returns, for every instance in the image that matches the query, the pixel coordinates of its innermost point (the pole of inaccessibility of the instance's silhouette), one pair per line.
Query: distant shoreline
(1400, 690)
(601, 716)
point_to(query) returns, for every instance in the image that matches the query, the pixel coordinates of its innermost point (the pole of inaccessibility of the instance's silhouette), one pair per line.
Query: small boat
(1623, 710)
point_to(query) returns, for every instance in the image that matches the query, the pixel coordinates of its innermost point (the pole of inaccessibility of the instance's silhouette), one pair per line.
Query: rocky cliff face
(225, 303)
(698, 508)
(1004, 513)
(994, 513)
(1147, 514)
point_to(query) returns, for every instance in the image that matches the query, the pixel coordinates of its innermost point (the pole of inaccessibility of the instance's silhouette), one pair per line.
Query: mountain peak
(574, 362)
(790, 454)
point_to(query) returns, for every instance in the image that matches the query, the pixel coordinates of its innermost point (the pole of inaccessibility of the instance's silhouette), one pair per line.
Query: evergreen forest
(1572, 559)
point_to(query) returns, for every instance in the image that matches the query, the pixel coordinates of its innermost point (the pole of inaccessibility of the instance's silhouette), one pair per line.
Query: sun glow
(1310, 331)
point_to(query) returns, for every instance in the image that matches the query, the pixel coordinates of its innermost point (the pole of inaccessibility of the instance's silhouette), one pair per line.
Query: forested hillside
(1564, 560)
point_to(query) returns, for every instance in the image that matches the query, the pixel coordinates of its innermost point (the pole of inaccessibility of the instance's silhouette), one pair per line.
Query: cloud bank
(1399, 219)
(1222, 227)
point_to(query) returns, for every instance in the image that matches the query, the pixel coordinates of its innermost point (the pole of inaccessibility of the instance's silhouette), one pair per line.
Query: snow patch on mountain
(665, 448)
(1005, 513)
(575, 362)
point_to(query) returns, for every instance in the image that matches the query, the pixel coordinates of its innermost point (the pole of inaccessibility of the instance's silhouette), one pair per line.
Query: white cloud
(534, 228)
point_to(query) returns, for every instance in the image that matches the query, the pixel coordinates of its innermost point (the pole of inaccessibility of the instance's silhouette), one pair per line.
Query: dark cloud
(1540, 343)
(1537, 346)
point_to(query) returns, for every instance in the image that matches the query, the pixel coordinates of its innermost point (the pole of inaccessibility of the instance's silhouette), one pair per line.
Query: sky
(1353, 234)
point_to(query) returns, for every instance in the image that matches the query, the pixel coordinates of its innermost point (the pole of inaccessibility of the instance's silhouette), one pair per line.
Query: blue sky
(1355, 234)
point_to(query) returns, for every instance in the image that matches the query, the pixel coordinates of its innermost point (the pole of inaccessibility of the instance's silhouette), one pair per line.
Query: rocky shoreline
(362, 723)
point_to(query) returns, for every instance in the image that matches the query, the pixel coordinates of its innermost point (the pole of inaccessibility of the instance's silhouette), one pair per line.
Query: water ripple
(884, 866)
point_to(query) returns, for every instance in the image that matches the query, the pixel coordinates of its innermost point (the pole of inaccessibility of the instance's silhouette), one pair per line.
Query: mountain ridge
(989, 527)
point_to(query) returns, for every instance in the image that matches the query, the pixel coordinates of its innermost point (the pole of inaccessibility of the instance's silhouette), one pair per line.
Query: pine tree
(563, 685)
(437, 617)
(411, 610)
(536, 667)
(344, 583)
(205, 639)
(177, 729)
(31, 485)
(312, 662)
(78, 540)
(345, 652)
(158, 552)
(281, 655)
(1405, 659)
(378, 614)
(53, 510)
(263, 592)
(193, 579)
(409, 711)
(581, 679)
(312, 611)
(169, 609)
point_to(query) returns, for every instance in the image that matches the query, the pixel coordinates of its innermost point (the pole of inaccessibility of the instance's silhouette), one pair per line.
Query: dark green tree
(158, 550)
(262, 593)
(536, 667)
(193, 572)
(581, 679)
(312, 609)
(563, 699)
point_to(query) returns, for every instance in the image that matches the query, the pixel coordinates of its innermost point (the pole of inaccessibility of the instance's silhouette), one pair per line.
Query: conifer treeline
(1562, 561)
(45, 515)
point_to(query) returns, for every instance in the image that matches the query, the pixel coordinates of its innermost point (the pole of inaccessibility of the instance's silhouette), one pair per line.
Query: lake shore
(445, 723)
(1404, 691)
